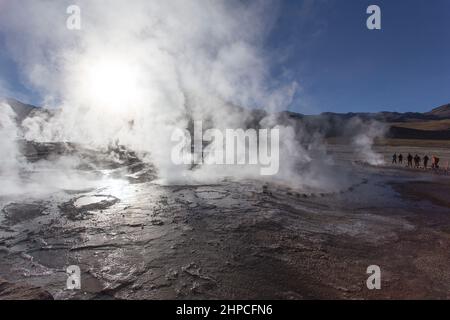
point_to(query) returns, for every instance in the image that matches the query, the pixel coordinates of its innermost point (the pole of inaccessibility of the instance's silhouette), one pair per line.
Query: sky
(340, 65)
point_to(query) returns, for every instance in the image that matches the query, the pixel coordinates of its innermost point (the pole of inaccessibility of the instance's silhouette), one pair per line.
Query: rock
(157, 222)
(19, 212)
(22, 291)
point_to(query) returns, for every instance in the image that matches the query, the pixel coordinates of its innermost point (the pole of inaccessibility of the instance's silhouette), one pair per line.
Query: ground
(136, 239)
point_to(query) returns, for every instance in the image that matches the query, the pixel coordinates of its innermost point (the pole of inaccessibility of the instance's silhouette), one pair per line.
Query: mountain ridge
(434, 124)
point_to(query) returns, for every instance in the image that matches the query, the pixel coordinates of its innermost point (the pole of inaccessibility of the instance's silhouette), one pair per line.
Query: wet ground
(136, 239)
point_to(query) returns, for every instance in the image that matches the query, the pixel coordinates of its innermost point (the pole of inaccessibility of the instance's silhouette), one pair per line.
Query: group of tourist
(417, 161)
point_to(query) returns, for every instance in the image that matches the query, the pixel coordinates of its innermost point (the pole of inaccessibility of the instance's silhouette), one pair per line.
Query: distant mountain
(22, 110)
(442, 112)
(387, 116)
(411, 133)
(434, 124)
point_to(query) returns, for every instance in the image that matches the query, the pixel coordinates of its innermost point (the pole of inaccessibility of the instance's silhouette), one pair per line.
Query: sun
(111, 84)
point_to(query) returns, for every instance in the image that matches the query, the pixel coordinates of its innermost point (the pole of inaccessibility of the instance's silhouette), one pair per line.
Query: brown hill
(441, 112)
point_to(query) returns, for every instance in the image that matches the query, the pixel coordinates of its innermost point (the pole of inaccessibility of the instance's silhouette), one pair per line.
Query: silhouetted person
(417, 161)
(434, 162)
(400, 158)
(410, 158)
(394, 158)
(425, 161)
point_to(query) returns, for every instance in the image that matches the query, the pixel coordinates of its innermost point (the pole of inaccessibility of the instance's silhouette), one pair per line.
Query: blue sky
(9, 77)
(340, 65)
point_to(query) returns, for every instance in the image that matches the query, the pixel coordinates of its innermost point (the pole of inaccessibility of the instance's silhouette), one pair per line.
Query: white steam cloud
(364, 140)
(9, 133)
(139, 69)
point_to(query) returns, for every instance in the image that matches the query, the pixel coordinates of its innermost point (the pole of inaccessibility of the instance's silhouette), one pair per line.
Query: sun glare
(111, 84)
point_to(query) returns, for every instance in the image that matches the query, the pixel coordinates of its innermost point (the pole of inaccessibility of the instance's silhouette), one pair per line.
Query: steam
(138, 70)
(37, 178)
(364, 140)
(9, 133)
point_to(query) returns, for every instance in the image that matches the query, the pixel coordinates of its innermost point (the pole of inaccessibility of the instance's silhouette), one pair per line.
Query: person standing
(434, 162)
(400, 158)
(425, 161)
(410, 158)
(394, 158)
(417, 161)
